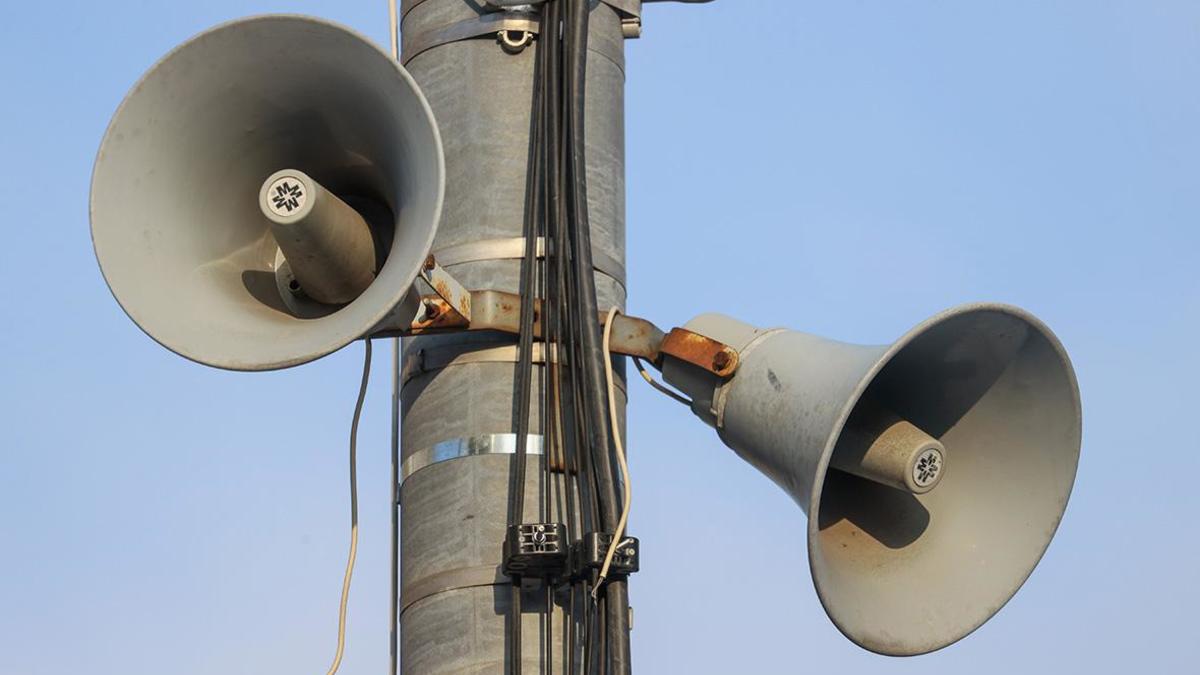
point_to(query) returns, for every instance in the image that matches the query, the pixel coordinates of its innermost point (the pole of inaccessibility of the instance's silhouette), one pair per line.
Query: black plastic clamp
(536, 550)
(587, 556)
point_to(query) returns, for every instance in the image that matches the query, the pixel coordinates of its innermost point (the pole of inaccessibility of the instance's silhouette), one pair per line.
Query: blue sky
(840, 168)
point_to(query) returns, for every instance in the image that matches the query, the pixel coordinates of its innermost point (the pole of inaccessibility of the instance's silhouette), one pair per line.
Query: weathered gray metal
(902, 573)
(891, 451)
(450, 291)
(454, 512)
(176, 224)
(327, 244)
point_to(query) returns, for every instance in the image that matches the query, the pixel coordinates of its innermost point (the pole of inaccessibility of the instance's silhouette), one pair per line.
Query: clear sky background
(842, 168)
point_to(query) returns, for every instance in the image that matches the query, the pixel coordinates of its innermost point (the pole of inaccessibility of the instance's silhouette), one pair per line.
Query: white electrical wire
(658, 385)
(616, 435)
(362, 394)
(394, 23)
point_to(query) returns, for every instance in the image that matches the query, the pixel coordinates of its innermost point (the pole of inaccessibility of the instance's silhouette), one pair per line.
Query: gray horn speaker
(267, 193)
(933, 471)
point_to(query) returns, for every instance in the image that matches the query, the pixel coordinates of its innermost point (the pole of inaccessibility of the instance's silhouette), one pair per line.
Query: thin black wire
(393, 633)
(539, 184)
(528, 289)
(525, 341)
(561, 329)
(614, 604)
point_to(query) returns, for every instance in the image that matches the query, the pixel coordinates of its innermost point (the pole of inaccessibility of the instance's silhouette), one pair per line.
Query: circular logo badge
(927, 467)
(286, 196)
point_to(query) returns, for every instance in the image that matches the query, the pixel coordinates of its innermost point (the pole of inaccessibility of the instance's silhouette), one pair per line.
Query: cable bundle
(575, 407)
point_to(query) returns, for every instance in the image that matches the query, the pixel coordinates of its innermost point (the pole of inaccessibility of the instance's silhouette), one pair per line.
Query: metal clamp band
(513, 248)
(493, 23)
(464, 577)
(407, 6)
(471, 446)
(721, 394)
(427, 360)
(485, 24)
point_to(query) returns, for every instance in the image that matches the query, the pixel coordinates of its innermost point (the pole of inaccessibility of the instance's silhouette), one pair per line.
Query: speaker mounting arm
(454, 297)
(702, 351)
(454, 309)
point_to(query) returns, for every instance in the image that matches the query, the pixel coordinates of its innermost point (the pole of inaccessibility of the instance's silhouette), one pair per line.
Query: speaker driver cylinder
(327, 243)
(882, 447)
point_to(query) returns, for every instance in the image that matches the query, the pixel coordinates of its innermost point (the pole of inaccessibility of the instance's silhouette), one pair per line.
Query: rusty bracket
(454, 296)
(501, 311)
(716, 357)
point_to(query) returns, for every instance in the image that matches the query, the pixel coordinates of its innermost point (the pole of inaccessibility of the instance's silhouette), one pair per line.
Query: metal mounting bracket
(454, 309)
(717, 358)
(503, 25)
(455, 297)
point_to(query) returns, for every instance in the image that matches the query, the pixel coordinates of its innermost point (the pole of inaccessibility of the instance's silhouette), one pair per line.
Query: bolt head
(721, 360)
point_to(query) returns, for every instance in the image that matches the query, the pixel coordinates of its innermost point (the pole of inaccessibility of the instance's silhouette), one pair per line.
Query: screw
(430, 262)
(721, 360)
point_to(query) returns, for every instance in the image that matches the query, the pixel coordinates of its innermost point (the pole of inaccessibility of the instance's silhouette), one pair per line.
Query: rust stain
(438, 316)
(715, 357)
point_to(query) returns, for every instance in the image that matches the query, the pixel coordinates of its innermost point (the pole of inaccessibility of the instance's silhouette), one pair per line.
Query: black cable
(561, 325)
(571, 631)
(558, 300)
(591, 356)
(393, 633)
(540, 182)
(583, 507)
(616, 638)
(528, 291)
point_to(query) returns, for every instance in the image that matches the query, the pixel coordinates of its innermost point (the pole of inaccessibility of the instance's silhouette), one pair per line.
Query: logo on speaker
(287, 195)
(926, 469)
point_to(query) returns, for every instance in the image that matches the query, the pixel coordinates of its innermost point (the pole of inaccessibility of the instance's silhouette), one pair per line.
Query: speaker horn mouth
(903, 574)
(176, 223)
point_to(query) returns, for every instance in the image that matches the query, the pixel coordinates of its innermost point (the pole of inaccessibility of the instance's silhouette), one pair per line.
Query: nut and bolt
(721, 360)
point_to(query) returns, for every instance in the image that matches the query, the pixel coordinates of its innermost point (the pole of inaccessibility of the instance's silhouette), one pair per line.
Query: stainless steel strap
(484, 24)
(513, 248)
(491, 23)
(471, 446)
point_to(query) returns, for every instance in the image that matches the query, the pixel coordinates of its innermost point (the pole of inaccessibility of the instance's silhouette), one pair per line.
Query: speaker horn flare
(933, 471)
(186, 246)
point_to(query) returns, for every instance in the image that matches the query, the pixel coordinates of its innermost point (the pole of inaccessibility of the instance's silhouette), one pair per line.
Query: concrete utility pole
(457, 398)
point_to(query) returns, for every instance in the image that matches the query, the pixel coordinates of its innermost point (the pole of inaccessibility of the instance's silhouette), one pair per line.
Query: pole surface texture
(457, 401)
